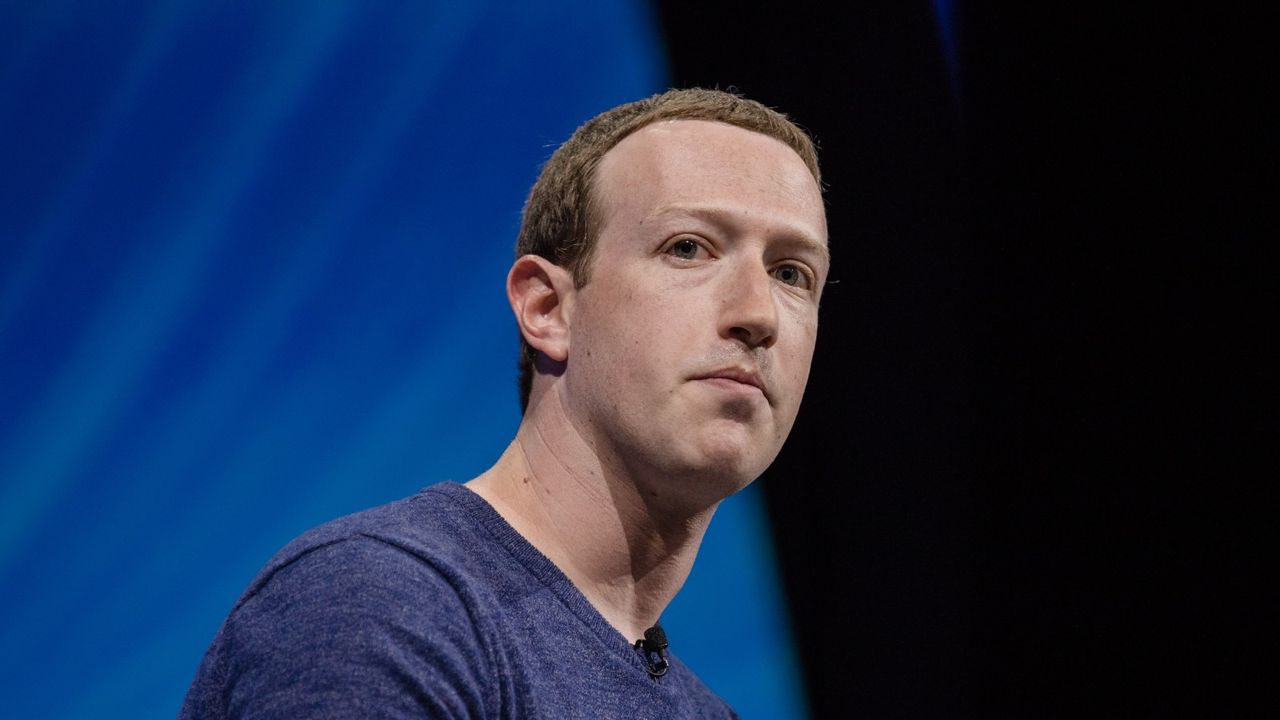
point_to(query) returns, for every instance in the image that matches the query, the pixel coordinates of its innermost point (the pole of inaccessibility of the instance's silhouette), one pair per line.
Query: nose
(749, 312)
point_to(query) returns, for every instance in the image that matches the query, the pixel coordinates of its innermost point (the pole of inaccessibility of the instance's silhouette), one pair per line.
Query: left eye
(791, 275)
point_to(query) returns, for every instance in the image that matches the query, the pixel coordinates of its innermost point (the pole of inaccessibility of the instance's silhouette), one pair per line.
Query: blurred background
(251, 266)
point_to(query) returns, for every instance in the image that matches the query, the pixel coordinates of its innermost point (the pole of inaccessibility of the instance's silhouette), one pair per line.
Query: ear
(541, 296)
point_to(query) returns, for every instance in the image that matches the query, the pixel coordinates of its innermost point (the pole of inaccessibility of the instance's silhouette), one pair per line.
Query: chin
(698, 470)
(723, 468)
(694, 491)
(737, 447)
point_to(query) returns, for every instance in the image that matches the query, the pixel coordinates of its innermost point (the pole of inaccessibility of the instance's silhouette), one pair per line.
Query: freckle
(526, 481)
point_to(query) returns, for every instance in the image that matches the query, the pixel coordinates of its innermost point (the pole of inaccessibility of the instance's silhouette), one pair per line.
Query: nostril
(751, 337)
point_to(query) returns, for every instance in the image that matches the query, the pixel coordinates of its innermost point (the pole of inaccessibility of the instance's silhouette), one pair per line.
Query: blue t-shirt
(432, 606)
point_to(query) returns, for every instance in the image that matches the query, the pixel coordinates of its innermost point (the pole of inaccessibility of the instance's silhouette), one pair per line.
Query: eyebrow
(727, 220)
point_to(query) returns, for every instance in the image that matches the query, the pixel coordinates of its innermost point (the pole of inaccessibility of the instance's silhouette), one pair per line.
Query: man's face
(690, 343)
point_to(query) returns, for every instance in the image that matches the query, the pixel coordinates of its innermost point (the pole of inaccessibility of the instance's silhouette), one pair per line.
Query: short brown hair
(561, 217)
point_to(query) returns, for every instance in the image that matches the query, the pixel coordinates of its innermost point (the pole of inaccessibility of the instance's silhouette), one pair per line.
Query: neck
(627, 557)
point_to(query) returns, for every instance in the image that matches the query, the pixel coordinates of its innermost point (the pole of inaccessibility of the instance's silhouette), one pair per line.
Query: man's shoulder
(367, 614)
(428, 533)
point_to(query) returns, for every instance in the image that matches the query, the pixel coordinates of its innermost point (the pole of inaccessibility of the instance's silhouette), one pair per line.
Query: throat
(626, 557)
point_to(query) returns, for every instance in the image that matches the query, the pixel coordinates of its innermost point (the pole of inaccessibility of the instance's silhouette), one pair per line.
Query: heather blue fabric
(432, 606)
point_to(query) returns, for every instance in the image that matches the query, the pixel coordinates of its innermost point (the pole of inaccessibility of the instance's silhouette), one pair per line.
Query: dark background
(1024, 480)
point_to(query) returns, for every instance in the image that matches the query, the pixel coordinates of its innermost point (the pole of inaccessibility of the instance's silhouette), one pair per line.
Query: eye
(685, 249)
(793, 275)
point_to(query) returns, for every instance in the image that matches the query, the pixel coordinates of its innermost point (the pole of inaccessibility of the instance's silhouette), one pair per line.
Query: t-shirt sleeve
(355, 628)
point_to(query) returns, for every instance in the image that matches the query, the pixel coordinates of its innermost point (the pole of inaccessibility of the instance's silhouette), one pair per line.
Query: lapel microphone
(654, 648)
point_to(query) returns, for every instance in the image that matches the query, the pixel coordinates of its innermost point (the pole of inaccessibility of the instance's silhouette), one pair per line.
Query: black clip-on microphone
(654, 647)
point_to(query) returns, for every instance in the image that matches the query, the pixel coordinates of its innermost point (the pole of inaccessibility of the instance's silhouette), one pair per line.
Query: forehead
(699, 163)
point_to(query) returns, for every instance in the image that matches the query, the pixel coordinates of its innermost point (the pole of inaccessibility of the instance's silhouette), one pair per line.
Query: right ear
(541, 296)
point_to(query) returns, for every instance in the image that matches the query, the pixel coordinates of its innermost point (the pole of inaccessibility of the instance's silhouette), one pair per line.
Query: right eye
(685, 249)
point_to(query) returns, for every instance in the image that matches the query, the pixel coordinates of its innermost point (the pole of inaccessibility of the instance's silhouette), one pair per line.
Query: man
(670, 262)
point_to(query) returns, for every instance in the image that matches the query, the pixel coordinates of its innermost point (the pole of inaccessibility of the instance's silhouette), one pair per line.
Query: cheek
(800, 355)
(641, 314)
(617, 342)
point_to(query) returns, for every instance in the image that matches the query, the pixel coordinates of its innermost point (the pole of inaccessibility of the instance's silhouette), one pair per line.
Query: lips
(736, 378)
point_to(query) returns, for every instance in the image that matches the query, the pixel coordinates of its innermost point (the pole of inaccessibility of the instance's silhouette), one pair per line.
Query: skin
(671, 379)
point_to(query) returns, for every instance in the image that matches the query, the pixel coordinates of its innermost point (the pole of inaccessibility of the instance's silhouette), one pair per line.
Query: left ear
(541, 295)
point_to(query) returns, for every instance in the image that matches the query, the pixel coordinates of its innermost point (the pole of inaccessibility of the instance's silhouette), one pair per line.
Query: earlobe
(541, 294)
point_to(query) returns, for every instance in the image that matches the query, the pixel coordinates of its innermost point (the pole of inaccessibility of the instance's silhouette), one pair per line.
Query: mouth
(735, 379)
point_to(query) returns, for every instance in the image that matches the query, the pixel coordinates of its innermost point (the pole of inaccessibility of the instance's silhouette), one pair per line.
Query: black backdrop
(1022, 484)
